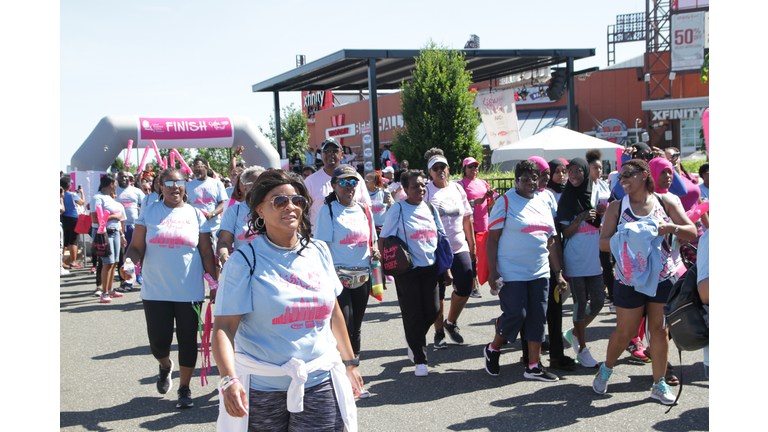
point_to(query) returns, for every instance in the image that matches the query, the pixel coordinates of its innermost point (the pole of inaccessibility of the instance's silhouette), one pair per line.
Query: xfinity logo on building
(674, 114)
(314, 101)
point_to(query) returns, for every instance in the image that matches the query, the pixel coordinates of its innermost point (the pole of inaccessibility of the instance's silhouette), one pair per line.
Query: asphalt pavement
(108, 375)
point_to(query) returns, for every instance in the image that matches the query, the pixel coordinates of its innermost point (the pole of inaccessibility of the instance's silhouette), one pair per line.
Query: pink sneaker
(637, 350)
(105, 298)
(113, 293)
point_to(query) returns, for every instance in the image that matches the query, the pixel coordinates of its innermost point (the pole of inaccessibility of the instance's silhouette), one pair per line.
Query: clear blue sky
(194, 58)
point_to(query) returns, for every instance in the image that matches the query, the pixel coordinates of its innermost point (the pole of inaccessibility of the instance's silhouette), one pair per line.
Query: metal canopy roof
(348, 69)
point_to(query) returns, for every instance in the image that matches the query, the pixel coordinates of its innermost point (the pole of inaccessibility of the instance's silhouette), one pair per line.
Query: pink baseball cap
(543, 165)
(468, 161)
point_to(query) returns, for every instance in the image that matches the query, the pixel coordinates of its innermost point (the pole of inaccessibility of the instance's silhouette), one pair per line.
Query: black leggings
(606, 261)
(160, 317)
(417, 294)
(353, 303)
(554, 325)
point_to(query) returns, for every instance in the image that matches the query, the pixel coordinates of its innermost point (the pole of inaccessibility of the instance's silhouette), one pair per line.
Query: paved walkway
(108, 378)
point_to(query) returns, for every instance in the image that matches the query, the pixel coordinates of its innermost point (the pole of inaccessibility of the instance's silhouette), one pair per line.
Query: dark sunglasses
(529, 179)
(330, 150)
(348, 182)
(177, 183)
(629, 174)
(280, 202)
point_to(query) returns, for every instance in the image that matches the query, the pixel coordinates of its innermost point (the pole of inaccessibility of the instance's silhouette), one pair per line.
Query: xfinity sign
(675, 114)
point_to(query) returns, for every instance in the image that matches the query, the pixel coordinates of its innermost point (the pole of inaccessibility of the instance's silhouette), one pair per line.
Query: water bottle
(377, 280)
(131, 270)
(499, 283)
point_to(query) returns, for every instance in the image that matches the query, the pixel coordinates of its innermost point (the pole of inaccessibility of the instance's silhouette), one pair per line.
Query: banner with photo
(499, 116)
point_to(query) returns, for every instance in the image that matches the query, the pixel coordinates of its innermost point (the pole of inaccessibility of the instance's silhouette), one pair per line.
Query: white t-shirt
(172, 266)
(206, 196)
(130, 197)
(109, 205)
(319, 186)
(286, 306)
(527, 225)
(452, 205)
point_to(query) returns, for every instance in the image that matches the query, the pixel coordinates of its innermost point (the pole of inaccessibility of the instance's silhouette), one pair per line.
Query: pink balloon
(695, 213)
(619, 152)
(705, 124)
(128, 155)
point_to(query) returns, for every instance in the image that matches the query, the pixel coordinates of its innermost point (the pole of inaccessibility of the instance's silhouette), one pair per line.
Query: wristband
(226, 382)
(212, 284)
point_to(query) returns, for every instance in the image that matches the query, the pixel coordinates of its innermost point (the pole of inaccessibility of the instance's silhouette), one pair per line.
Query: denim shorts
(626, 297)
(114, 243)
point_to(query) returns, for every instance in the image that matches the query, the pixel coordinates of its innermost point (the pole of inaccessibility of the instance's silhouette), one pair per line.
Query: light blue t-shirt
(148, 199)
(235, 220)
(581, 251)
(110, 205)
(378, 206)
(130, 197)
(286, 306)
(419, 232)
(348, 235)
(702, 258)
(172, 267)
(526, 226)
(549, 197)
(704, 192)
(206, 196)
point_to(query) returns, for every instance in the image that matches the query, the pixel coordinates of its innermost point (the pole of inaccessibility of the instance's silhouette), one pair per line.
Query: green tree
(293, 130)
(184, 152)
(218, 159)
(438, 110)
(119, 165)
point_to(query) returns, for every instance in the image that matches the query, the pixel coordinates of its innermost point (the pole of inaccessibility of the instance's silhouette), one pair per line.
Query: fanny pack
(111, 231)
(353, 277)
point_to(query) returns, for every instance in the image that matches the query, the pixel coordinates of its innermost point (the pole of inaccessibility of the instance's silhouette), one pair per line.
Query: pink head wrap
(543, 165)
(657, 166)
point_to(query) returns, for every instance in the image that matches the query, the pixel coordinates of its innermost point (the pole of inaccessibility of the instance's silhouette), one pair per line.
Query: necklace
(289, 248)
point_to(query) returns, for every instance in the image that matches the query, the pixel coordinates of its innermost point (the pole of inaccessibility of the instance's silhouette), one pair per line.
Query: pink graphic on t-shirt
(174, 223)
(356, 238)
(377, 207)
(247, 235)
(173, 240)
(125, 201)
(424, 234)
(205, 198)
(310, 281)
(588, 229)
(305, 312)
(631, 265)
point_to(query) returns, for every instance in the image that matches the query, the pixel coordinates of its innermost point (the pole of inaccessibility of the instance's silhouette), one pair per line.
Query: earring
(259, 223)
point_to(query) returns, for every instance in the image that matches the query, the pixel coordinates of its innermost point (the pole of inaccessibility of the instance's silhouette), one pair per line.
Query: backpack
(685, 314)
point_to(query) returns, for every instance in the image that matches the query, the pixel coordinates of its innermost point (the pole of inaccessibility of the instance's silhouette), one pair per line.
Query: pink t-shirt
(475, 190)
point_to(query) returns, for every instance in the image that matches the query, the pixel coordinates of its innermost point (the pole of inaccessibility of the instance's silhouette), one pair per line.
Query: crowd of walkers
(295, 255)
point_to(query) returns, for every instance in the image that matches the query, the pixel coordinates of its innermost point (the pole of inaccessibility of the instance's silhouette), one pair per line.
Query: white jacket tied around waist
(298, 370)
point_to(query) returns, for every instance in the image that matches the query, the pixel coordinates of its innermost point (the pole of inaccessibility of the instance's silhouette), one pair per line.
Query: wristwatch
(354, 362)
(677, 227)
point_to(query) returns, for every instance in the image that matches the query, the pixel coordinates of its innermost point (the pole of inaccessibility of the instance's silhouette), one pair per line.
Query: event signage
(612, 130)
(676, 114)
(531, 95)
(312, 102)
(367, 148)
(499, 117)
(340, 131)
(688, 37)
(176, 132)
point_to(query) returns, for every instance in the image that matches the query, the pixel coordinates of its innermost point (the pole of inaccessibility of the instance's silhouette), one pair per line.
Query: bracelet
(226, 382)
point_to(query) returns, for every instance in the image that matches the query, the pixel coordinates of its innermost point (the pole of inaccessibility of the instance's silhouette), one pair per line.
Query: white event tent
(552, 143)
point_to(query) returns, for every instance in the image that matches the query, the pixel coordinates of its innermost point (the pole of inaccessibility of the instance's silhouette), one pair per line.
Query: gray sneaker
(164, 382)
(600, 383)
(662, 392)
(475, 293)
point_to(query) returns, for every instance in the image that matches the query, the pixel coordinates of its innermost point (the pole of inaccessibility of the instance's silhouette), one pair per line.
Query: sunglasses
(348, 182)
(473, 166)
(529, 179)
(177, 183)
(629, 174)
(333, 150)
(280, 202)
(645, 156)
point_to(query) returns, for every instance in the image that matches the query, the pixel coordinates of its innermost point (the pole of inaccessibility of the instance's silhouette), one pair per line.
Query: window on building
(690, 135)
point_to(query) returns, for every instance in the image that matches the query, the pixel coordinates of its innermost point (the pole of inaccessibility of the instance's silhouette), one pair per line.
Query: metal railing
(502, 185)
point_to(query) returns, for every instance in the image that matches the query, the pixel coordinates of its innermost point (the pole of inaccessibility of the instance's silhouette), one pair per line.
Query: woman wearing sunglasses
(234, 230)
(173, 243)
(346, 226)
(450, 201)
(417, 289)
(279, 338)
(635, 230)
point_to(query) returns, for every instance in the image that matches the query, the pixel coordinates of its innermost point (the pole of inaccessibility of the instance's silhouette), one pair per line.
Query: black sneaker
(565, 363)
(539, 373)
(185, 398)
(164, 382)
(491, 360)
(453, 332)
(440, 339)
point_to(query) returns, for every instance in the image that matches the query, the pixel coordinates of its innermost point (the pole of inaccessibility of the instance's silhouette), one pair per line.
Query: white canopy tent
(552, 143)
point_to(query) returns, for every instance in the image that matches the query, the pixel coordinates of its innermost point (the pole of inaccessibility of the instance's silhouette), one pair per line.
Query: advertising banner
(185, 132)
(688, 36)
(312, 102)
(499, 117)
(612, 130)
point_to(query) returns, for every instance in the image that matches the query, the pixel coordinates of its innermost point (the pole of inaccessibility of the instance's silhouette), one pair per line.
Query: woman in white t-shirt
(450, 201)
(115, 233)
(173, 244)
(414, 223)
(279, 334)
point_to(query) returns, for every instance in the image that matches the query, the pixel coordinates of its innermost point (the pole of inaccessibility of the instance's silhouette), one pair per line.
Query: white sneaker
(421, 370)
(410, 352)
(63, 271)
(98, 292)
(612, 308)
(105, 298)
(585, 359)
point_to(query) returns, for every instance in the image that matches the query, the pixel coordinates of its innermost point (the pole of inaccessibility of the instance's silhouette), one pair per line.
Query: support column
(373, 103)
(278, 136)
(571, 97)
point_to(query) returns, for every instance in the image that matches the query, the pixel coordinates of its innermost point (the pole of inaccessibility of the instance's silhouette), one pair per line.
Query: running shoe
(98, 292)
(421, 370)
(105, 298)
(164, 382)
(585, 359)
(475, 293)
(440, 342)
(637, 350)
(114, 293)
(565, 363)
(365, 394)
(185, 398)
(63, 271)
(600, 383)
(76, 265)
(662, 392)
(539, 373)
(453, 332)
(491, 360)
(612, 308)
(139, 279)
